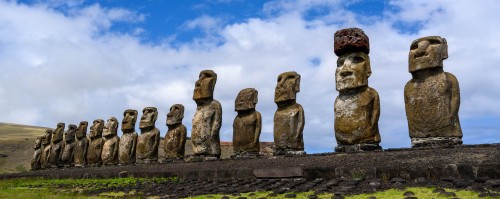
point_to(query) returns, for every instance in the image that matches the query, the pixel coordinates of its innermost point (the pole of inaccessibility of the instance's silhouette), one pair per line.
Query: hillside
(16, 141)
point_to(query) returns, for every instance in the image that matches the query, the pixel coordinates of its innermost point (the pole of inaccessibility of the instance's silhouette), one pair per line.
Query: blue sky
(67, 61)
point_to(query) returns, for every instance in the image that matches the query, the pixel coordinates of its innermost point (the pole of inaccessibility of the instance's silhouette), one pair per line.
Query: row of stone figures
(432, 100)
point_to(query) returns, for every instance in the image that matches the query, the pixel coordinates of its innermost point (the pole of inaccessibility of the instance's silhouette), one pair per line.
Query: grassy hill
(16, 141)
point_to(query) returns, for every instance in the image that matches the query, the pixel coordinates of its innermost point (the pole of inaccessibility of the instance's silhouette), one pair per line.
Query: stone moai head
(352, 46)
(96, 128)
(246, 99)
(38, 142)
(204, 86)
(175, 115)
(47, 137)
(427, 52)
(129, 120)
(148, 119)
(57, 134)
(81, 132)
(111, 127)
(288, 86)
(69, 135)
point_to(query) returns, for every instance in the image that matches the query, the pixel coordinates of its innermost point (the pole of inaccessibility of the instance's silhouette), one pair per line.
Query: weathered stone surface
(46, 144)
(36, 162)
(175, 140)
(67, 157)
(109, 153)
(56, 145)
(95, 147)
(357, 108)
(149, 140)
(207, 119)
(81, 145)
(247, 124)
(286, 172)
(432, 96)
(128, 141)
(289, 117)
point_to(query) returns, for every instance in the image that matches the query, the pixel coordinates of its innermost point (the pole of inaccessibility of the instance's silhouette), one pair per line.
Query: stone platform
(458, 166)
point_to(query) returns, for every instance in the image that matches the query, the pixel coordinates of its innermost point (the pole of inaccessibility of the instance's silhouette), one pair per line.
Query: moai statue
(67, 157)
(46, 144)
(149, 140)
(128, 140)
(175, 140)
(37, 155)
(95, 146)
(81, 145)
(247, 124)
(207, 119)
(357, 108)
(109, 153)
(56, 146)
(432, 96)
(289, 118)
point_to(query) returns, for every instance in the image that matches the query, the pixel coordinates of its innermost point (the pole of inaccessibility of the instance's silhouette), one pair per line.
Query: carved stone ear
(255, 96)
(155, 116)
(297, 83)
(368, 67)
(444, 49)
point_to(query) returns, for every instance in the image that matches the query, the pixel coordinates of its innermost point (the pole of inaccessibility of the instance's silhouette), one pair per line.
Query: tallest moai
(432, 96)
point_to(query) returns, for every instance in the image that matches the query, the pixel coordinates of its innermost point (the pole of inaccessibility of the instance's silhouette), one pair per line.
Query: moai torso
(36, 161)
(175, 140)
(95, 146)
(289, 117)
(56, 146)
(149, 139)
(357, 107)
(355, 117)
(81, 145)
(46, 148)
(67, 157)
(128, 141)
(207, 119)
(109, 153)
(432, 96)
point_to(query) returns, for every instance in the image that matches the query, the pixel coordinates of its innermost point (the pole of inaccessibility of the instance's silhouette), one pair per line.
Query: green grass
(68, 188)
(420, 192)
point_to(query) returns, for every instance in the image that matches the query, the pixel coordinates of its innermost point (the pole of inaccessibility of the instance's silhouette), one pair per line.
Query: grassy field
(17, 142)
(89, 188)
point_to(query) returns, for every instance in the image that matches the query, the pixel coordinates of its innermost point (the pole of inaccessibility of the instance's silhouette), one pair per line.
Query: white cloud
(72, 67)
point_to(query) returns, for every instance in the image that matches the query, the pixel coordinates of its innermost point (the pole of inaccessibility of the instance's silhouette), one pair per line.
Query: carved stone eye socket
(414, 46)
(358, 59)
(340, 62)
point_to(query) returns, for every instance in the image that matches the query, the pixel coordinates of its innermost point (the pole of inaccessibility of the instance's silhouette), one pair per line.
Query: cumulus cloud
(72, 67)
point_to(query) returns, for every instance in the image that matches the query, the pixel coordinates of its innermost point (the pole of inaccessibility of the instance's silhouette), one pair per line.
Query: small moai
(247, 124)
(46, 144)
(96, 143)
(128, 141)
(289, 118)
(56, 147)
(432, 96)
(357, 107)
(148, 141)
(67, 157)
(81, 145)
(175, 139)
(207, 119)
(109, 153)
(36, 161)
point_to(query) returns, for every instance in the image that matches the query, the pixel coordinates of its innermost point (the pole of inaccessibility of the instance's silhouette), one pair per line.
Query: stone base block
(435, 142)
(200, 158)
(357, 147)
(146, 161)
(245, 156)
(289, 153)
